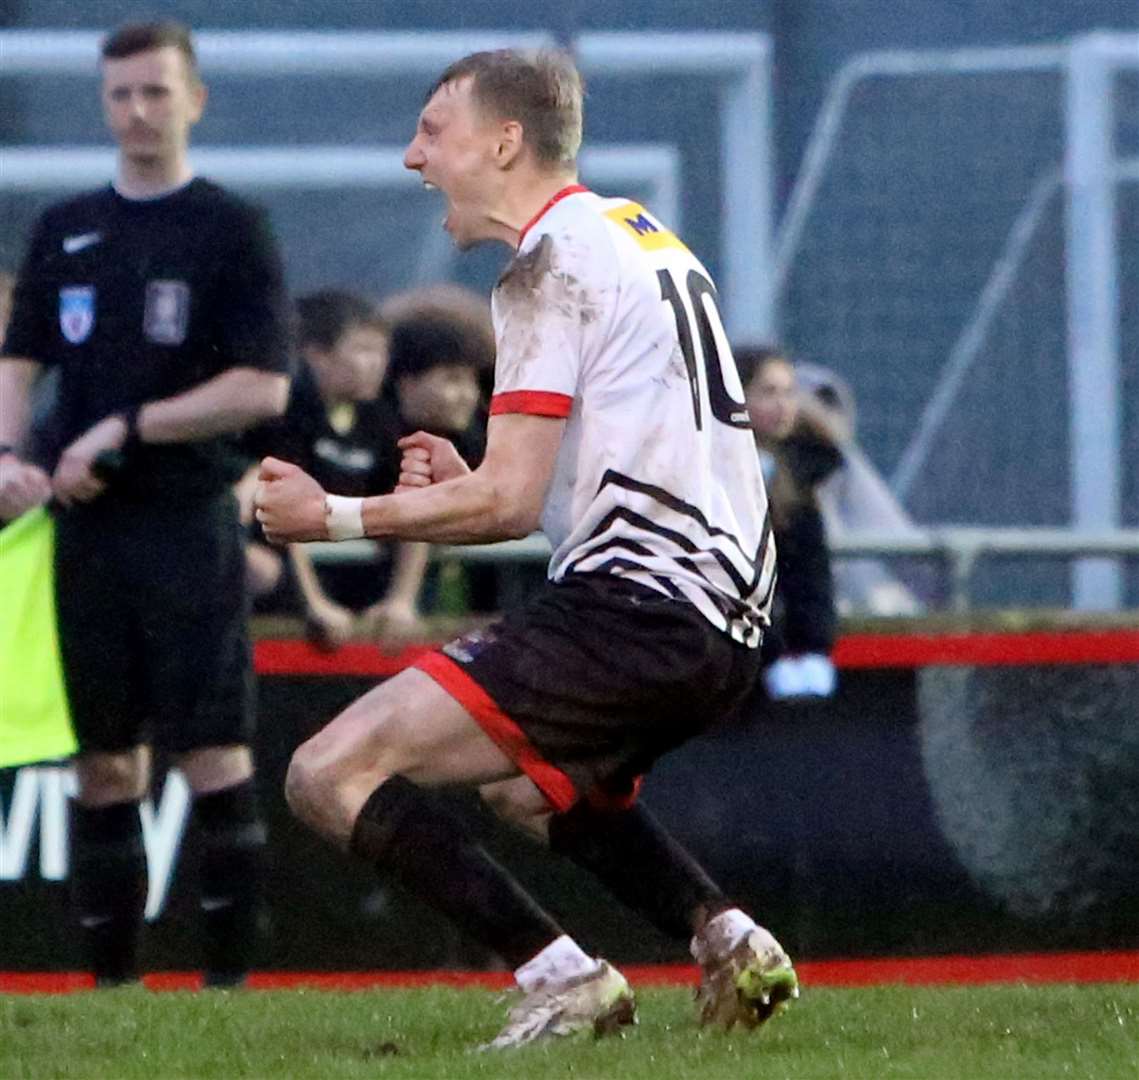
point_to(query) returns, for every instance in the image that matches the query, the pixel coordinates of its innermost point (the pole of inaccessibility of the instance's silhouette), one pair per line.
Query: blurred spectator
(439, 380)
(336, 428)
(344, 420)
(798, 450)
(442, 360)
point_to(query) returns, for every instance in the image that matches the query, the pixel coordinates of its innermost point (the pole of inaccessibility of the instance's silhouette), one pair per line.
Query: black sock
(408, 832)
(630, 853)
(230, 880)
(108, 877)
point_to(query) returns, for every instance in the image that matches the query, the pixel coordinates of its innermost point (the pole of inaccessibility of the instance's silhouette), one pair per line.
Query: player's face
(150, 101)
(454, 150)
(443, 398)
(354, 368)
(772, 400)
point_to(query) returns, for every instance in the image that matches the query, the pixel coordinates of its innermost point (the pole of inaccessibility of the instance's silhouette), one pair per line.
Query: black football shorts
(151, 608)
(593, 679)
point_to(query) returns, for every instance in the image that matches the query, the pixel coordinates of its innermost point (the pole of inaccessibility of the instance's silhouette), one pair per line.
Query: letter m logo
(650, 236)
(641, 225)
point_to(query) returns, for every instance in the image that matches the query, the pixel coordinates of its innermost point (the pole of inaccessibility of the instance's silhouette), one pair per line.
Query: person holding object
(160, 301)
(617, 425)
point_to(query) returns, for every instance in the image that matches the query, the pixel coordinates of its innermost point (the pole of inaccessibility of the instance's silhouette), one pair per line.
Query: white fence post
(1092, 270)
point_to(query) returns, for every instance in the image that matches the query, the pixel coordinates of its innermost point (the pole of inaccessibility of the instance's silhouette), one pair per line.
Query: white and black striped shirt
(605, 318)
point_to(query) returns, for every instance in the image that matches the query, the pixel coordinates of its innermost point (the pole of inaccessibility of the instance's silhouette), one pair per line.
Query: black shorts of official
(589, 682)
(151, 609)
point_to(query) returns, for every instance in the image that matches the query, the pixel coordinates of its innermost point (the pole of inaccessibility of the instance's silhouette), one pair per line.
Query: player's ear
(510, 143)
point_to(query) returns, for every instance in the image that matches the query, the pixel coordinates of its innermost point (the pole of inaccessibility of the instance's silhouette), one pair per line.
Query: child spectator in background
(335, 427)
(439, 380)
(798, 450)
(368, 377)
(442, 349)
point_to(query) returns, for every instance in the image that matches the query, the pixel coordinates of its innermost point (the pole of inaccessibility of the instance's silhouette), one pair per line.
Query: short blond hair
(540, 88)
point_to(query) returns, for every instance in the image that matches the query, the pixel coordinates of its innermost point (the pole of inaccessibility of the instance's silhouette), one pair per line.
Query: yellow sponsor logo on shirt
(649, 235)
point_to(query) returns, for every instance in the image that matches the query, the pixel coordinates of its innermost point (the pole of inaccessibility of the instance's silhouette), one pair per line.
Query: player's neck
(525, 203)
(147, 178)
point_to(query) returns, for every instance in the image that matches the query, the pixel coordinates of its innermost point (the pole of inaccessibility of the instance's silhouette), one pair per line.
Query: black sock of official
(230, 880)
(409, 833)
(108, 887)
(630, 853)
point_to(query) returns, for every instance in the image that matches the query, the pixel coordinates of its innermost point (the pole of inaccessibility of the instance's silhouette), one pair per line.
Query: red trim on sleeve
(507, 735)
(570, 189)
(531, 402)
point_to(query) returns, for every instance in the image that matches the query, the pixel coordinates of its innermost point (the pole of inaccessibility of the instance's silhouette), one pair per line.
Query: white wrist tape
(344, 517)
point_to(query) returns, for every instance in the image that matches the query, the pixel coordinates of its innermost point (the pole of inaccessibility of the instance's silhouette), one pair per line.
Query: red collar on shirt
(570, 189)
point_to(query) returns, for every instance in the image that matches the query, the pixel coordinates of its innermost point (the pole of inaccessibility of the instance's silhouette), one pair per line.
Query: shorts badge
(464, 649)
(77, 312)
(167, 315)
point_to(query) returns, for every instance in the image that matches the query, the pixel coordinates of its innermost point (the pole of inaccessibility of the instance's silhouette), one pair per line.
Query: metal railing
(1088, 176)
(957, 549)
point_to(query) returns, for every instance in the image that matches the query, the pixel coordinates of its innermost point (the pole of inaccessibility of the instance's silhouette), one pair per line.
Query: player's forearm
(472, 509)
(17, 376)
(233, 401)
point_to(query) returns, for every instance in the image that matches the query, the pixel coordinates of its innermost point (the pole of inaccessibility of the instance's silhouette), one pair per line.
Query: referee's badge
(167, 315)
(77, 312)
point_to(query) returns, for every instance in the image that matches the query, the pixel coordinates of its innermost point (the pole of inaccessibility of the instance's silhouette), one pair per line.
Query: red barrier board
(1071, 967)
(288, 657)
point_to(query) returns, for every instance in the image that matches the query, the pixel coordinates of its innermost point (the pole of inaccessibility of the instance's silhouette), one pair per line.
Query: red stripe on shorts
(532, 403)
(601, 797)
(507, 735)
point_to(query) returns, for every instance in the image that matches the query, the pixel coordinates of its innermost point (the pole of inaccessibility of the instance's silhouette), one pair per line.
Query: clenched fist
(289, 503)
(428, 459)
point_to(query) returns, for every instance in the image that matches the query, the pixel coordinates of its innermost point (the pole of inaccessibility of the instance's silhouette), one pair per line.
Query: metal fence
(954, 552)
(961, 245)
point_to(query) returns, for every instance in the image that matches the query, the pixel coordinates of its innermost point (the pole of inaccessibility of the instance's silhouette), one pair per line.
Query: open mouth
(446, 221)
(429, 186)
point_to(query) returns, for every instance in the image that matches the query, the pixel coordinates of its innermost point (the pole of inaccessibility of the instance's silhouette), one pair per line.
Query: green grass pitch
(1087, 1032)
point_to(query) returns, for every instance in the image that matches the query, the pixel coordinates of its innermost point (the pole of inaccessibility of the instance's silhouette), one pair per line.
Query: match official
(160, 300)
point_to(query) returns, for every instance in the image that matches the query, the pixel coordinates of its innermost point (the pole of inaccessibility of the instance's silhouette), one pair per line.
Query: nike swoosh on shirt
(72, 244)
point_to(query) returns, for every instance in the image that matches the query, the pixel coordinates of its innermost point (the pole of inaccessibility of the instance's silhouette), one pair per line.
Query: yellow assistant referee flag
(34, 721)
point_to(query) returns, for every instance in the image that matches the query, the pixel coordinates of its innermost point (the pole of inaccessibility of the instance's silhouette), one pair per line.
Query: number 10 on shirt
(708, 343)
